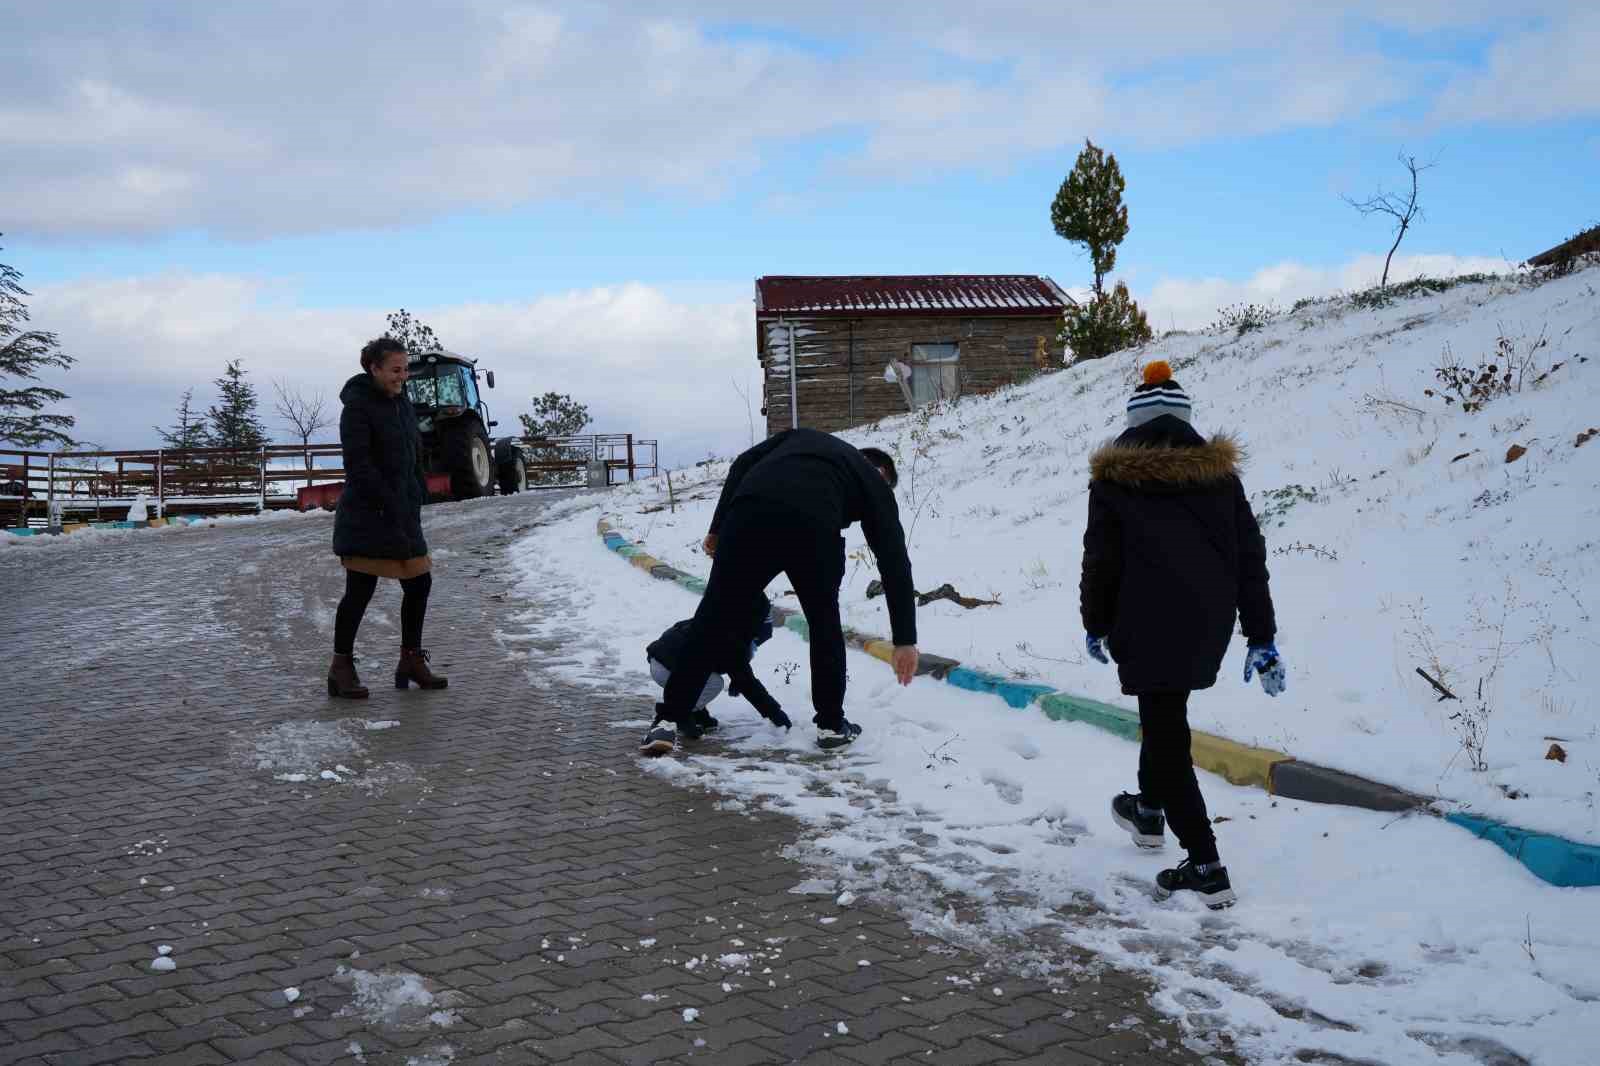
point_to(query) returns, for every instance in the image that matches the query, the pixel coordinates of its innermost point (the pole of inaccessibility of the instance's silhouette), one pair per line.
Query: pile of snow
(396, 999)
(1358, 934)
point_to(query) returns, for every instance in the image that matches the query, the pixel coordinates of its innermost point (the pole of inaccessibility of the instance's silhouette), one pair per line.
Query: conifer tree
(234, 423)
(188, 430)
(1088, 210)
(24, 420)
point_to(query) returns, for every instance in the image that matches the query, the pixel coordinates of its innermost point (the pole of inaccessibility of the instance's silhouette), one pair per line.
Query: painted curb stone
(1561, 862)
(1318, 784)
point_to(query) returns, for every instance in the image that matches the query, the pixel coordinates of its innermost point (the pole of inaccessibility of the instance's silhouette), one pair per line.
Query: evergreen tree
(417, 337)
(24, 422)
(1106, 324)
(189, 431)
(554, 415)
(1088, 210)
(234, 424)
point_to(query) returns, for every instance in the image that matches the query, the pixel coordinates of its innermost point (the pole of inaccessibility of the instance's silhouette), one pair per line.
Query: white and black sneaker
(1147, 827)
(1209, 882)
(845, 733)
(662, 739)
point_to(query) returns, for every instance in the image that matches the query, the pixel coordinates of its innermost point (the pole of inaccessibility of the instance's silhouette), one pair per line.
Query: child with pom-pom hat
(1172, 555)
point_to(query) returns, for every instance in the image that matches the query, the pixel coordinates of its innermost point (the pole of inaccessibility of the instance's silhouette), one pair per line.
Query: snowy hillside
(1400, 535)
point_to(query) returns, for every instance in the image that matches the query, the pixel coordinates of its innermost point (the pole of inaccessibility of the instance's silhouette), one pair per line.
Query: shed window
(935, 373)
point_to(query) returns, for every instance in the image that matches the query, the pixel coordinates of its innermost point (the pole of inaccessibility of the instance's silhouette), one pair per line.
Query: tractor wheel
(513, 477)
(466, 457)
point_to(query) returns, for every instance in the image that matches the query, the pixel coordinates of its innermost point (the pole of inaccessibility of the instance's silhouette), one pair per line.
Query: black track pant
(1166, 772)
(358, 590)
(757, 542)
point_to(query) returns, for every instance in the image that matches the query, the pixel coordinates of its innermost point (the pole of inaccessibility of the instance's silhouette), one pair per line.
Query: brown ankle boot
(414, 668)
(343, 682)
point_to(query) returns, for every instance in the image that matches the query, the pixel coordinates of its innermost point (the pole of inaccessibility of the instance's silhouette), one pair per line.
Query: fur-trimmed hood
(1167, 465)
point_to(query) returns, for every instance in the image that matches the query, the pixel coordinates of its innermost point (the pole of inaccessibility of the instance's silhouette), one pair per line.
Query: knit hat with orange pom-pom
(1159, 395)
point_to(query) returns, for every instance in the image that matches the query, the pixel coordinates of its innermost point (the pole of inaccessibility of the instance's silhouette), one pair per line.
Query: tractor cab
(454, 420)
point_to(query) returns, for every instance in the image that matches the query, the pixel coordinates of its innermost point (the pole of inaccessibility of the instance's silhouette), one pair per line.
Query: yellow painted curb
(645, 562)
(156, 523)
(74, 527)
(603, 526)
(879, 649)
(1238, 763)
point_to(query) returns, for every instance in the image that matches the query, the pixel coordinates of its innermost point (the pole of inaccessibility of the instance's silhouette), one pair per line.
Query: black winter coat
(828, 484)
(380, 510)
(1171, 555)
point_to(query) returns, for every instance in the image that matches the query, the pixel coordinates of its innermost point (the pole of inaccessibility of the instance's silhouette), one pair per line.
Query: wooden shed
(838, 352)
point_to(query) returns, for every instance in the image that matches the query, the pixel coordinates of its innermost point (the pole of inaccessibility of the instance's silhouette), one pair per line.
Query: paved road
(489, 879)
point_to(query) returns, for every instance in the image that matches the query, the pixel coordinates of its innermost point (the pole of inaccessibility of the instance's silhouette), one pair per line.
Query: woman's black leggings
(358, 589)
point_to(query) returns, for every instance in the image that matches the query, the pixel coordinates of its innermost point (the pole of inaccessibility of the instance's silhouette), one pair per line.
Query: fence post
(262, 507)
(50, 495)
(630, 456)
(161, 483)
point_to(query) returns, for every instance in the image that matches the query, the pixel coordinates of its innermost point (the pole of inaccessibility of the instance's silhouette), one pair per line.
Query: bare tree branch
(305, 413)
(1402, 207)
(744, 397)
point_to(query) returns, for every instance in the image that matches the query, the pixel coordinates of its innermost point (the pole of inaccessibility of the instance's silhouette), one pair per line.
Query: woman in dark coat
(1171, 556)
(378, 529)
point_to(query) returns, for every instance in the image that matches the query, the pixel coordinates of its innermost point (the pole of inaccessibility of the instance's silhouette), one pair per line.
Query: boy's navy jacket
(668, 648)
(828, 484)
(1171, 556)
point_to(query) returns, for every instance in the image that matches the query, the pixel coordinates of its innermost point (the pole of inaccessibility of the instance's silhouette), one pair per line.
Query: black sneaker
(1147, 830)
(703, 719)
(1213, 888)
(662, 739)
(841, 735)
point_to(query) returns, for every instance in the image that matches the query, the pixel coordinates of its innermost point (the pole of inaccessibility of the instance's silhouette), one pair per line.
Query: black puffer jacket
(380, 510)
(1171, 555)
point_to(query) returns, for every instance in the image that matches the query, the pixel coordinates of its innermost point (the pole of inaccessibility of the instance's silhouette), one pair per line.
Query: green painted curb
(1060, 707)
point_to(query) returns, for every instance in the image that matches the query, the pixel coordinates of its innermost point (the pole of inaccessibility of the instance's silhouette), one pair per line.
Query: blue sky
(270, 178)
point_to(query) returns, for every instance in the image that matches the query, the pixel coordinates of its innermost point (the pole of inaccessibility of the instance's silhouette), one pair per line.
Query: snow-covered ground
(1400, 536)
(1358, 935)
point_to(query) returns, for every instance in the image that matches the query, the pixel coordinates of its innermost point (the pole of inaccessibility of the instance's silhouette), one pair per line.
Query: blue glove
(1263, 659)
(1097, 648)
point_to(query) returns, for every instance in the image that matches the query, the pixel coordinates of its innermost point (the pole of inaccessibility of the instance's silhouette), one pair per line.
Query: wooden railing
(42, 487)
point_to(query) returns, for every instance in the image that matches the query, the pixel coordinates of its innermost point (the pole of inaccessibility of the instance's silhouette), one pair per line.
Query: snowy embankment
(1400, 536)
(1358, 934)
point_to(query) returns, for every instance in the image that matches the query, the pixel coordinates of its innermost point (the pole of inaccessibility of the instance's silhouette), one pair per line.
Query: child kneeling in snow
(664, 653)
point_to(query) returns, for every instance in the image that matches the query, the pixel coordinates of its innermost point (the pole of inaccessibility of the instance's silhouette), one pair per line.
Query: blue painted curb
(1562, 862)
(1016, 693)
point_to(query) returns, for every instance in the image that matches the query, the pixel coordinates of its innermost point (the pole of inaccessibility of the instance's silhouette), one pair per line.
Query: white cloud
(1192, 303)
(254, 119)
(1548, 72)
(645, 360)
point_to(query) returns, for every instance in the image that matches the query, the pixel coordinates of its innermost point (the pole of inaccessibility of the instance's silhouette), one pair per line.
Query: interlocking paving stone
(139, 780)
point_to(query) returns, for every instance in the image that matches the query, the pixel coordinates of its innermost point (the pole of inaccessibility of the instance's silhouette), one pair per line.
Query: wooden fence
(42, 488)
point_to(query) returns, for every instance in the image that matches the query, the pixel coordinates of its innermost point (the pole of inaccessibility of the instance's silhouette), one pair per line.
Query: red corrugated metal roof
(938, 294)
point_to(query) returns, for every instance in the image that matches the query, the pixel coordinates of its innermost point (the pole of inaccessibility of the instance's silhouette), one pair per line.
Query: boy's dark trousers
(1166, 772)
(758, 541)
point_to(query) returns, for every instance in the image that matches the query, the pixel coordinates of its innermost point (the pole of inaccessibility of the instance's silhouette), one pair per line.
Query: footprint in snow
(1008, 790)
